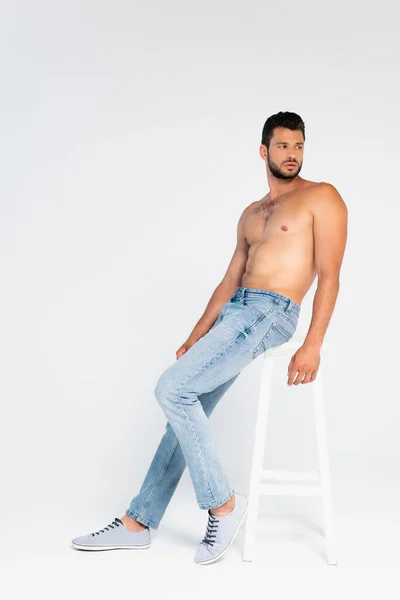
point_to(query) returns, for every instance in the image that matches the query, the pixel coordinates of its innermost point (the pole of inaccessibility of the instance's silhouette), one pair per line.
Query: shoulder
(249, 209)
(325, 196)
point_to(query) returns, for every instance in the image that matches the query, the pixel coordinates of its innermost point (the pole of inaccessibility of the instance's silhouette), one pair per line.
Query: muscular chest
(279, 220)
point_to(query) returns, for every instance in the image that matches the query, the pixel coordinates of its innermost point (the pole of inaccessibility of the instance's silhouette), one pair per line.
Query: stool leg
(322, 445)
(257, 458)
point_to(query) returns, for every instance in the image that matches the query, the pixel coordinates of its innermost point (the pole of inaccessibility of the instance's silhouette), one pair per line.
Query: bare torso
(280, 236)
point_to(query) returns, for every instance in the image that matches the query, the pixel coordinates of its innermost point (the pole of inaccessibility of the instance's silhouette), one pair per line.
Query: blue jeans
(251, 322)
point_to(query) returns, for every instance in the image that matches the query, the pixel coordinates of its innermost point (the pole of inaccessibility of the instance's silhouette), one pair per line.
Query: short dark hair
(290, 120)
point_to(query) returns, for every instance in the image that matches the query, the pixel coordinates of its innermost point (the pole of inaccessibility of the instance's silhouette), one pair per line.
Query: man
(297, 231)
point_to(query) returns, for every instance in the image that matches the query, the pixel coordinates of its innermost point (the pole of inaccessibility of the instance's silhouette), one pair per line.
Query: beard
(280, 174)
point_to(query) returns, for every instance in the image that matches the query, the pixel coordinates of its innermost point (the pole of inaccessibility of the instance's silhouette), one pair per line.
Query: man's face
(286, 146)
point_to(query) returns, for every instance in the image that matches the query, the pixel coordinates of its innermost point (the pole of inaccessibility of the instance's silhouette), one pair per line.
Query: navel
(284, 228)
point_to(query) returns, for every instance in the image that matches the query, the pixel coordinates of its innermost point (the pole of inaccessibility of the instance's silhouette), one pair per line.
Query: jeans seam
(196, 440)
(179, 390)
(282, 331)
(160, 478)
(263, 339)
(213, 358)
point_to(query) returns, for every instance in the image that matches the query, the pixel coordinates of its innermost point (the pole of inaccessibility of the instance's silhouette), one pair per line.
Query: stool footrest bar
(288, 489)
(282, 475)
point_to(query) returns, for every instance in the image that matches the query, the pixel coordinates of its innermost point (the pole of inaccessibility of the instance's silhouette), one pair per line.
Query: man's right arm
(228, 285)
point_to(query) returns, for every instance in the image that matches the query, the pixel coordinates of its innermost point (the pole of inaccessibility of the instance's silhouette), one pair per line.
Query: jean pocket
(286, 321)
(286, 331)
(278, 333)
(263, 345)
(257, 306)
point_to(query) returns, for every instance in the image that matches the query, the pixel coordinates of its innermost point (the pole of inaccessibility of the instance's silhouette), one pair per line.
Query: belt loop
(288, 308)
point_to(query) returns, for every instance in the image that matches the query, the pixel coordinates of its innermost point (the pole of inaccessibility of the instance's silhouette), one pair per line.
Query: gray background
(130, 137)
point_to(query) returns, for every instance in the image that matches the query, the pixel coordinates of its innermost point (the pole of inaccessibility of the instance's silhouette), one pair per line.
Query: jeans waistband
(286, 303)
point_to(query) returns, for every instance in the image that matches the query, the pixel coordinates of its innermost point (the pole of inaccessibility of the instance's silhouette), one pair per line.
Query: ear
(263, 152)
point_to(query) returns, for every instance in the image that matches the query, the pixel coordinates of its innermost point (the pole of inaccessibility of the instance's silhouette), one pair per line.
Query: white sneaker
(114, 536)
(220, 532)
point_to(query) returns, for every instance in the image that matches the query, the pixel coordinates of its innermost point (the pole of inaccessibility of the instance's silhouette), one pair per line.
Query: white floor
(38, 562)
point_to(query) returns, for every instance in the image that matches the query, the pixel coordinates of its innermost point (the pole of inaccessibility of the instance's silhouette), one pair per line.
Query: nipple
(284, 228)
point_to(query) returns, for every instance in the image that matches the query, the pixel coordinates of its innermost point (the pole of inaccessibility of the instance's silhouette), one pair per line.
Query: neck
(278, 187)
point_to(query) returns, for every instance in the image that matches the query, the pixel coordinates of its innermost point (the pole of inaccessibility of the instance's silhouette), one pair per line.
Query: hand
(185, 347)
(305, 362)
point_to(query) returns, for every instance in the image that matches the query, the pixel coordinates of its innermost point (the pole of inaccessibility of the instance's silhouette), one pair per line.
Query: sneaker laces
(211, 530)
(116, 522)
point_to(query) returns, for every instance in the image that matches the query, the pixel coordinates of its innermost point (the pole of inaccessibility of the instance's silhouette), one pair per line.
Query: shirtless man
(297, 231)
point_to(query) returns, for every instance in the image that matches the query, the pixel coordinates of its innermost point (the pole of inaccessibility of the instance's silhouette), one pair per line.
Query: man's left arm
(330, 236)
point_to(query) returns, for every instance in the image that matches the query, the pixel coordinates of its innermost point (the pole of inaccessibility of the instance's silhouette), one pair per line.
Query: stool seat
(286, 482)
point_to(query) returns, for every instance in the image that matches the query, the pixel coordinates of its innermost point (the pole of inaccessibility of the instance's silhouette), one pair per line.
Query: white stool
(318, 482)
